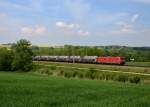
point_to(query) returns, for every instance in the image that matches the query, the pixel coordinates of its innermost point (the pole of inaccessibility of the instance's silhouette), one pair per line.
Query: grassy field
(143, 64)
(92, 71)
(30, 90)
(101, 67)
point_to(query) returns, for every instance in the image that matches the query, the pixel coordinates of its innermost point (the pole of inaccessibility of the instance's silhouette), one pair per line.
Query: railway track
(126, 65)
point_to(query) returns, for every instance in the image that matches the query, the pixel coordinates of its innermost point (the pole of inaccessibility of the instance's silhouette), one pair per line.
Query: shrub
(22, 59)
(92, 70)
(53, 67)
(50, 73)
(109, 76)
(61, 73)
(80, 75)
(99, 76)
(43, 71)
(135, 79)
(89, 75)
(74, 74)
(96, 75)
(68, 74)
(121, 78)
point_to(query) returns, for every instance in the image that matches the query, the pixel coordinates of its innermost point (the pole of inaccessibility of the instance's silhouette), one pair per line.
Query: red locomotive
(110, 60)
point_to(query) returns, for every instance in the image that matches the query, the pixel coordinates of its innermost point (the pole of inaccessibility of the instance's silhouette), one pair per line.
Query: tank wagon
(84, 59)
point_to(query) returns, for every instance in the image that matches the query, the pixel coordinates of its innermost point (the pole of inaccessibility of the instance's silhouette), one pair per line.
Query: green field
(143, 64)
(30, 90)
(100, 67)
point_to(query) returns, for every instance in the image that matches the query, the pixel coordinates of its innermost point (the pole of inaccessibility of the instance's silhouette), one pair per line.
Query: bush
(75, 73)
(61, 73)
(109, 76)
(89, 75)
(53, 67)
(22, 59)
(80, 75)
(68, 74)
(121, 78)
(50, 73)
(96, 75)
(135, 79)
(43, 71)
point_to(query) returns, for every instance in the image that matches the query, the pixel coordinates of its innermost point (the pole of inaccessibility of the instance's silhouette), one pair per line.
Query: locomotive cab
(122, 61)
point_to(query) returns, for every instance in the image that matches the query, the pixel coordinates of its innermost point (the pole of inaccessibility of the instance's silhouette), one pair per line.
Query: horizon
(59, 45)
(76, 22)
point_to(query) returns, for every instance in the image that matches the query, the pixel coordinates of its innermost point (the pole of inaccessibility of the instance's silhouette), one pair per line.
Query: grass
(143, 64)
(30, 90)
(89, 73)
(101, 66)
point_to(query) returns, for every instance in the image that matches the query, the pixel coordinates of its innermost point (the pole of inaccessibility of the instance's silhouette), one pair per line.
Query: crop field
(32, 90)
(143, 64)
(100, 66)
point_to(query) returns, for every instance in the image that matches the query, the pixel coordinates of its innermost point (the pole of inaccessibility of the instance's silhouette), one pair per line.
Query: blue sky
(77, 22)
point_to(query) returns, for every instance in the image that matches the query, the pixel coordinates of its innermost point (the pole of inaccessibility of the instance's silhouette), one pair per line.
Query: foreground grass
(28, 90)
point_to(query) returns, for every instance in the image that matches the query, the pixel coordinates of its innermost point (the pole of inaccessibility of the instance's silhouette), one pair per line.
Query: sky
(76, 22)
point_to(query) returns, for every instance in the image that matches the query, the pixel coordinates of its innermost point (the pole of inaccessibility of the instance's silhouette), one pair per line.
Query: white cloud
(134, 18)
(2, 29)
(3, 15)
(83, 33)
(27, 30)
(64, 25)
(33, 30)
(40, 29)
(124, 28)
(72, 29)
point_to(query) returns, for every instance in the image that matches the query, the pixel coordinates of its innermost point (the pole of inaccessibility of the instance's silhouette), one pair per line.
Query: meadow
(135, 69)
(142, 64)
(34, 90)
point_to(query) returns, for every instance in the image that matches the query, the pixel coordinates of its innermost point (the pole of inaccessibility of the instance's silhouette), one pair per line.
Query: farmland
(24, 83)
(100, 66)
(32, 90)
(142, 64)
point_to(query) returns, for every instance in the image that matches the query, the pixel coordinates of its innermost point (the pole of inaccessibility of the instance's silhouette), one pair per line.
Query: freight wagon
(79, 59)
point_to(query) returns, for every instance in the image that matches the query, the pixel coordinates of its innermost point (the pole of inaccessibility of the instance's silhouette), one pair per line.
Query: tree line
(68, 50)
(19, 56)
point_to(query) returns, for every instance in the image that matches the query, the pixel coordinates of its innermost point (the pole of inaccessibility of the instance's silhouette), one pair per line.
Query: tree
(22, 55)
(5, 59)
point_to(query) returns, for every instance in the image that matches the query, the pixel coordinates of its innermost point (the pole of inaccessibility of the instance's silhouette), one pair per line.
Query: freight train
(85, 59)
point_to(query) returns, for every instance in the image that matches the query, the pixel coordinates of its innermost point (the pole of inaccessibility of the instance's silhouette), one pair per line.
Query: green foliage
(80, 75)
(135, 79)
(22, 56)
(6, 58)
(61, 73)
(53, 67)
(121, 78)
(68, 74)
